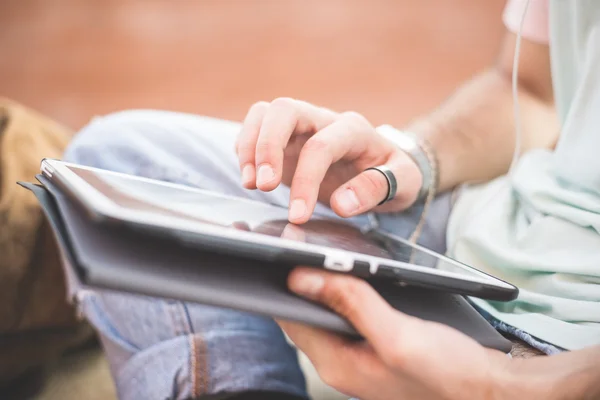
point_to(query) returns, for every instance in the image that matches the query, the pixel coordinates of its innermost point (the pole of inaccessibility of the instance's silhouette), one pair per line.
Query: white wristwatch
(409, 143)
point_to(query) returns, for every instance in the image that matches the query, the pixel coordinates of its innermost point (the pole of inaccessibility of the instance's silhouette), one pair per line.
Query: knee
(107, 136)
(132, 141)
(127, 140)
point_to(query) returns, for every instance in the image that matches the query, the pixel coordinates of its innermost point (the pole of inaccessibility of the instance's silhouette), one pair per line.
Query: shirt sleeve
(535, 26)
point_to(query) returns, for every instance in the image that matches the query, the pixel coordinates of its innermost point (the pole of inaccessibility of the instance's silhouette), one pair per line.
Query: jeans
(164, 349)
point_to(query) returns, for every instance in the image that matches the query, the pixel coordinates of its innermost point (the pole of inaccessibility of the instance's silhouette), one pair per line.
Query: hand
(402, 357)
(322, 156)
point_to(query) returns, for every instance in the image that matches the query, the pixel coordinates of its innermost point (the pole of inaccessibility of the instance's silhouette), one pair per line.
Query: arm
(473, 132)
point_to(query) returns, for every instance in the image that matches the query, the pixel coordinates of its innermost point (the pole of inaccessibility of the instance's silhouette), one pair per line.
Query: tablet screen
(204, 207)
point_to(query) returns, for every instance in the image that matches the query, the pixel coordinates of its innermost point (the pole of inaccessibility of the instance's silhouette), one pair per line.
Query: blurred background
(388, 59)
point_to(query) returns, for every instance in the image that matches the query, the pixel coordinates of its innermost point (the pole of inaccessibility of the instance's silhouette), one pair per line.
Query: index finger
(319, 152)
(347, 365)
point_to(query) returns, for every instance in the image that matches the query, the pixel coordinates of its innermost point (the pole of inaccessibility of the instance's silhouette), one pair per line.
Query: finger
(366, 190)
(341, 139)
(341, 364)
(283, 118)
(319, 345)
(246, 143)
(294, 232)
(358, 302)
(360, 194)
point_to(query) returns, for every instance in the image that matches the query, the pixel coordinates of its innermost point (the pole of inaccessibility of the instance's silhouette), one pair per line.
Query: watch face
(405, 141)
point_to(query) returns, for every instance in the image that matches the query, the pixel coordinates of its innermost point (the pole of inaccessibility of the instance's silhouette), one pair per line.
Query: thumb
(355, 300)
(369, 188)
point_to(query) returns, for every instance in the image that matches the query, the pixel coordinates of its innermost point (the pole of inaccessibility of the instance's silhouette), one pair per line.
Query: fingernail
(297, 209)
(265, 174)
(307, 284)
(247, 174)
(348, 201)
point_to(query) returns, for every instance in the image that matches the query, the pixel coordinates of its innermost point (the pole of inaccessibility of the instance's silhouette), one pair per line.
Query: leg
(162, 349)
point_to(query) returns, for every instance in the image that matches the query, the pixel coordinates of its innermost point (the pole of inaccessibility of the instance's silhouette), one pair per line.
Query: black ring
(391, 181)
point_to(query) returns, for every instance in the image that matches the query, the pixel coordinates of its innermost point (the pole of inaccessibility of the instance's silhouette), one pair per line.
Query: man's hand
(322, 156)
(402, 357)
(406, 358)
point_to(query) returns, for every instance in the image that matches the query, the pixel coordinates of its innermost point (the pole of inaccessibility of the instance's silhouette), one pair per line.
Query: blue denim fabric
(160, 349)
(534, 342)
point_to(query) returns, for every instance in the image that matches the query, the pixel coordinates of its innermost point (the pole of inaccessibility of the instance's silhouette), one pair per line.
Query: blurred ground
(389, 59)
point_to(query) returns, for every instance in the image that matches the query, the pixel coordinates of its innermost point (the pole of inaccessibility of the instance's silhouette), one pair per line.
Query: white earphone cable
(515, 92)
(517, 121)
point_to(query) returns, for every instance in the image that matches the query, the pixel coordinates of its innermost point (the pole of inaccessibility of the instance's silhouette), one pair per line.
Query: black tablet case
(115, 258)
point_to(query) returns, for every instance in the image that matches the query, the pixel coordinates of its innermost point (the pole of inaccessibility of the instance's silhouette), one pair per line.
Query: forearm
(568, 376)
(473, 132)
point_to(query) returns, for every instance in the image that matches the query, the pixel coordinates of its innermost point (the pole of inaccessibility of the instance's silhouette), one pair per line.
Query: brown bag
(36, 322)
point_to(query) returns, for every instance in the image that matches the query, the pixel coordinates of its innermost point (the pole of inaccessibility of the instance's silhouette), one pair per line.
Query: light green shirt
(540, 229)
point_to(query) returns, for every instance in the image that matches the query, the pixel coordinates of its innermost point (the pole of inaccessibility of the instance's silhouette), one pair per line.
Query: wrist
(567, 376)
(449, 145)
(515, 383)
(510, 379)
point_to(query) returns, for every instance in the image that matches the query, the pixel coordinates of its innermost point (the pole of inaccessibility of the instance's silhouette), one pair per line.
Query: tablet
(104, 258)
(254, 230)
